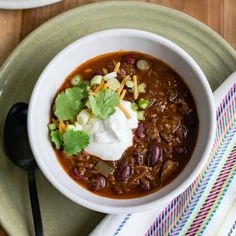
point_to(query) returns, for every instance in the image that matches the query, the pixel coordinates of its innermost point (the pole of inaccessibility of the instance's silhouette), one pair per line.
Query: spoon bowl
(16, 141)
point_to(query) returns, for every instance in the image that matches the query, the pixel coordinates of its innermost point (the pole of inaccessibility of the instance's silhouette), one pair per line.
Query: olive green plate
(21, 70)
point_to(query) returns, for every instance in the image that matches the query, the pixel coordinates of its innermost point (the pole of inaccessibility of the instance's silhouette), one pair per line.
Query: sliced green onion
(131, 90)
(140, 115)
(96, 80)
(129, 84)
(75, 127)
(75, 80)
(78, 126)
(142, 88)
(113, 84)
(88, 87)
(143, 103)
(134, 106)
(87, 104)
(83, 117)
(103, 168)
(52, 126)
(56, 138)
(142, 65)
(110, 75)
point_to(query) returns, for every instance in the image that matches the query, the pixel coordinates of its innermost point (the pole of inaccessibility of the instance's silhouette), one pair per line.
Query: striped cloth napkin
(208, 206)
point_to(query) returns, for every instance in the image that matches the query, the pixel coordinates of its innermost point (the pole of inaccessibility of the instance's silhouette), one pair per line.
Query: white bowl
(100, 43)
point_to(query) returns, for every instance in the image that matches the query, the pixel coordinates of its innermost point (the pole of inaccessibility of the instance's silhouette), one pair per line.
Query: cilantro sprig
(75, 141)
(104, 103)
(69, 102)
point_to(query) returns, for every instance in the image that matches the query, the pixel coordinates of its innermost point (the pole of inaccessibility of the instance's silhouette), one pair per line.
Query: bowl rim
(178, 189)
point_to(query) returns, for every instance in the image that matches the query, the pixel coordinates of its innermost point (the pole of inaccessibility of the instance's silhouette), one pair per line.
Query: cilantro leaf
(75, 141)
(83, 85)
(69, 103)
(56, 138)
(103, 103)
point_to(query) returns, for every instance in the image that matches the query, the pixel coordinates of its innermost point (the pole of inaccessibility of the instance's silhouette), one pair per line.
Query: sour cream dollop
(109, 138)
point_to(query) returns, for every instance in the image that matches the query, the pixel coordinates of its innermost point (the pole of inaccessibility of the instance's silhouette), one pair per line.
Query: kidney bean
(98, 72)
(144, 186)
(129, 59)
(140, 130)
(123, 173)
(96, 182)
(181, 132)
(154, 154)
(77, 175)
(121, 73)
(178, 150)
(138, 158)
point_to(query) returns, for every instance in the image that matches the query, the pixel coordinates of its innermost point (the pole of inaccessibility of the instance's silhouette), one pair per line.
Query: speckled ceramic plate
(21, 70)
(24, 4)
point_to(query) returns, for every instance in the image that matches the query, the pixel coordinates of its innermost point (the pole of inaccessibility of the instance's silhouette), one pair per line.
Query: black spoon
(17, 148)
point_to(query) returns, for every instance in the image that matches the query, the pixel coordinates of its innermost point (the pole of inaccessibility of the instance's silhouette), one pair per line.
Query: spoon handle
(38, 227)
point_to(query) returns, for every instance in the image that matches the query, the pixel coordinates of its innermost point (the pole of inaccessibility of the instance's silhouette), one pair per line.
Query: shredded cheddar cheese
(122, 85)
(88, 70)
(123, 109)
(92, 93)
(100, 86)
(62, 127)
(135, 87)
(105, 85)
(123, 94)
(117, 67)
(105, 71)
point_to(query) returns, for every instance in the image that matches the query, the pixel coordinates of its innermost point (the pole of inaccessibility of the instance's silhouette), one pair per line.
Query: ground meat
(144, 185)
(138, 158)
(168, 169)
(117, 190)
(183, 106)
(127, 69)
(153, 132)
(172, 95)
(181, 133)
(161, 105)
(168, 149)
(111, 65)
(167, 126)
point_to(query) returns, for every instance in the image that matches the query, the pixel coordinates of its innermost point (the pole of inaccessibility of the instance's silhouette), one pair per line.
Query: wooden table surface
(220, 15)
